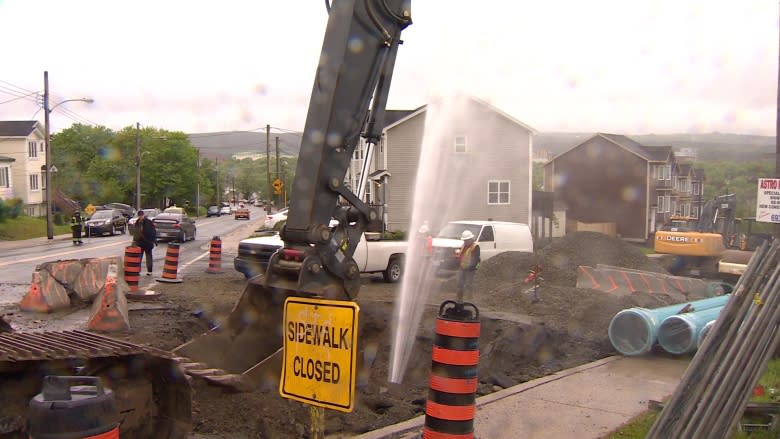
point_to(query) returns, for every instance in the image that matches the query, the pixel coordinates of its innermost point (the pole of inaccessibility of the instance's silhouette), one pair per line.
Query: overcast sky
(627, 67)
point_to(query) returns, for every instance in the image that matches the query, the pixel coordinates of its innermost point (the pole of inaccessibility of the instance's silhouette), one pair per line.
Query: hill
(225, 144)
(708, 147)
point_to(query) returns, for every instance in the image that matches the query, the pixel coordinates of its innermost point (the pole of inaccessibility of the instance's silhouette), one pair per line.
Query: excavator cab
(354, 73)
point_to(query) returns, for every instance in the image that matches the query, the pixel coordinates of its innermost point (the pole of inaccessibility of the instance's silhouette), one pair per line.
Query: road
(18, 259)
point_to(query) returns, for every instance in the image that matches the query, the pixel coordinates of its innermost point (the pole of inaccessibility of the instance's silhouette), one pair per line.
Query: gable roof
(649, 153)
(17, 128)
(492, 108)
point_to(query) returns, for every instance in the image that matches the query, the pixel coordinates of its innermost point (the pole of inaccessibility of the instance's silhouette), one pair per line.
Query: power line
(22, 89)
(17, 98)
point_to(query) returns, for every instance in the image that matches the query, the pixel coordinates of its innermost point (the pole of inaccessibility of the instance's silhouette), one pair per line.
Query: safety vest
(466, 255)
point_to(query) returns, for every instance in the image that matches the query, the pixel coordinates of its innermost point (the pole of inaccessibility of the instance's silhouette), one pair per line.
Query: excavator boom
(348, 100)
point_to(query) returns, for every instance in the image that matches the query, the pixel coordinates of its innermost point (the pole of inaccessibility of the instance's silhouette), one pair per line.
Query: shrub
(16, 205)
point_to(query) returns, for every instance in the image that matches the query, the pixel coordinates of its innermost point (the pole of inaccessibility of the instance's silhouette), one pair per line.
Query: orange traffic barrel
(171, 266)
(451, 404)
(73, 407)
(215, 256)
(133, 255)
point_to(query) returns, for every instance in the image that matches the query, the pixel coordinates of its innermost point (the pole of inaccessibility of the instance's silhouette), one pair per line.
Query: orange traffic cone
(45, 295)
(215, 256)
(133, 256)
(109, 310)
(171, 266)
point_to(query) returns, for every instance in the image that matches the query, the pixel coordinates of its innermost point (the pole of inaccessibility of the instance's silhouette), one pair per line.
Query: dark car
(108, 221)
(127, 211)
(175, 227)
(213, 211)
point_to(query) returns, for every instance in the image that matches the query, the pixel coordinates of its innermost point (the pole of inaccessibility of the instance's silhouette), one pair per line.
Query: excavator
(704, 245)
(348, 100)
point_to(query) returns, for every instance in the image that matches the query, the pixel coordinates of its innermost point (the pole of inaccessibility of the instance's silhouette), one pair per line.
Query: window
(498, 192)
(460, 143)
(34, 182)
(663, 172)
(41, 146)
(32, 149)
(664, 204)
(695, 211)
(487, 234)
(5, 180)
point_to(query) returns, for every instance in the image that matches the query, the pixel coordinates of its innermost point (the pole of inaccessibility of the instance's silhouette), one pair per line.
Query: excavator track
(152, 390)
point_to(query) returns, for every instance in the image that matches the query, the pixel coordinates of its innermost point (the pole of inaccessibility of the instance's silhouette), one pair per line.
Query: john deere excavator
(348, 101)
(705, 244)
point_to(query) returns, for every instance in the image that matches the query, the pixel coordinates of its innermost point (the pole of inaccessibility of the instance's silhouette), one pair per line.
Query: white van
(493, 237)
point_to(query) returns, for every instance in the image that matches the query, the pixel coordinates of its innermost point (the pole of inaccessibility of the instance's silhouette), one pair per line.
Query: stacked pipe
(716, 387)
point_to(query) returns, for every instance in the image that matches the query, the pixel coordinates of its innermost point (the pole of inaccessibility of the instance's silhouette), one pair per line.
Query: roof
(4, 158)
(649, 153)
(393, 116)
(423, 108)
(17, 128)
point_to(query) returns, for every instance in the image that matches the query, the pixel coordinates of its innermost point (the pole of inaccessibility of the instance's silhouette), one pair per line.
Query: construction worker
(76, 226)
(425, 240)
(469, 262)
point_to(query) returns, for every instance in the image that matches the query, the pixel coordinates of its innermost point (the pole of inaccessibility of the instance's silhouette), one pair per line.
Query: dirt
(521, 339)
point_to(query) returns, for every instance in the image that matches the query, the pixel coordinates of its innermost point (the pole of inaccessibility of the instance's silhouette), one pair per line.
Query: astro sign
(320, 351)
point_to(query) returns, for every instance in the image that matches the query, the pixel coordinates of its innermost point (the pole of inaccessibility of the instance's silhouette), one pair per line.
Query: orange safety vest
(465, 256)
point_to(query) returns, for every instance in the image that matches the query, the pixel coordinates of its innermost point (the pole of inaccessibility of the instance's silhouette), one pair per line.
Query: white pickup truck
(372, 256)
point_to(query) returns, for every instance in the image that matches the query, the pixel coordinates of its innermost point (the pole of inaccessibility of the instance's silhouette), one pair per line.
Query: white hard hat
(466, 235)
(424, 229)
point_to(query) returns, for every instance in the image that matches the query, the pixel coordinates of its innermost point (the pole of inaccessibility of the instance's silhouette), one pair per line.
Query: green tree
(73, 151)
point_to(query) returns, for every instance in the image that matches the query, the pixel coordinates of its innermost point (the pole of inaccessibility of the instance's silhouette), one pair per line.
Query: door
(487, 243)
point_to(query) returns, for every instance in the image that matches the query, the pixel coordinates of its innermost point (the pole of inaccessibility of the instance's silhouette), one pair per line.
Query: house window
(32, 149)
(5, 180)
(663, 172)
(460, 143)
(41, 145)
(498, 192)
(664, 204)
(34, 182)
(695, 211)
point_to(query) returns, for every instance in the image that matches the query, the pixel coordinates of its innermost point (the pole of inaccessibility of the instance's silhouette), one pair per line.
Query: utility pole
(47, 175)
(268, 159)
(197, 197)
(216, 163)
(138, 166)
(277, 168)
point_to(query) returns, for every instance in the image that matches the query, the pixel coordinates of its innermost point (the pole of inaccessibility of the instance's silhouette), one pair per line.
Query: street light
(49, 170)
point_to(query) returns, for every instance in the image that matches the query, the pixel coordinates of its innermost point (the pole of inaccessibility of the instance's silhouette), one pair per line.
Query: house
(23, 164)
(476, 164)
(612, 179)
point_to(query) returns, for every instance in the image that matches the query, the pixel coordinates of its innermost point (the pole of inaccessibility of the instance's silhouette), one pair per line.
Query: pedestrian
(76, 226)
(469, 260)
(145, 236)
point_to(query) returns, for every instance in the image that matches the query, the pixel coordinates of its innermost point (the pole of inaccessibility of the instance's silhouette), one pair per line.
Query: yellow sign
(320, 347)
(278, 184)
(90, 209)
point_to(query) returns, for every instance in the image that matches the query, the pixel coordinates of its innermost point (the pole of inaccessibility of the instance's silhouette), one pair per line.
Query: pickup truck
(371, 255)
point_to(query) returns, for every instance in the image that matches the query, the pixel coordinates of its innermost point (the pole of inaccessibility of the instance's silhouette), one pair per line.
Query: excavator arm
(348, 101)
(354, 72)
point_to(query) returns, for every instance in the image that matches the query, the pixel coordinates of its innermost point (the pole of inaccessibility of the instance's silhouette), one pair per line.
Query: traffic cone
(215, 256)
(171, 266)
(133, 255)
(109, 310)
(44, 295)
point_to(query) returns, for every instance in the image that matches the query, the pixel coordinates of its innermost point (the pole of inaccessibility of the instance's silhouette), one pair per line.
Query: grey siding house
(489, 156)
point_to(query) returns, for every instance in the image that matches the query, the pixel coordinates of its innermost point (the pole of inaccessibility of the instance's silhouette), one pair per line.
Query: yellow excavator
(705, 246)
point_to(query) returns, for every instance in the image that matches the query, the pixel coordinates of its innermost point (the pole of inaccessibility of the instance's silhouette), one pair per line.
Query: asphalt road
(18, 259)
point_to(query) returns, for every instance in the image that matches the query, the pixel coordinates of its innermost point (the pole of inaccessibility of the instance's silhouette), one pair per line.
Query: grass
(770, 381)
(25, 227)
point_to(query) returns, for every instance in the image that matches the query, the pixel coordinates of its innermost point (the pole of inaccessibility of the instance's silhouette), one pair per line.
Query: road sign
(278, 184)
(320, 346)
(90, 209)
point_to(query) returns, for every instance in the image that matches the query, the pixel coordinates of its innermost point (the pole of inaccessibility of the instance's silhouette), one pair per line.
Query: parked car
(126, 210)
(106, 222)
(273, 219)
(242, 212)
(150, 214)
(493, 237)
(225, 210)
(371, 255)
(213, 211)
(175, 227)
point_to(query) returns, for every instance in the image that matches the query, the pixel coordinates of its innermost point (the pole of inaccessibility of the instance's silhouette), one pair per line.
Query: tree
(73, 150)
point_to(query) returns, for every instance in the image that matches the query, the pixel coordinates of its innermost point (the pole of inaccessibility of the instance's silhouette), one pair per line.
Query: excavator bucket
(243, 351)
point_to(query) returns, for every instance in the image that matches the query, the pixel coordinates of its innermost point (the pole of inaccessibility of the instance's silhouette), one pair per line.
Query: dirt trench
(521, 339)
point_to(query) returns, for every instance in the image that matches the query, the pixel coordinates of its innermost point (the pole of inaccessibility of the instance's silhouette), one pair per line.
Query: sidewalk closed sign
(320, 342)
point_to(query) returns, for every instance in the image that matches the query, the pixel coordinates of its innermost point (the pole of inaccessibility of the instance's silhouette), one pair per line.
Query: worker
(469, 260)
(76, 226)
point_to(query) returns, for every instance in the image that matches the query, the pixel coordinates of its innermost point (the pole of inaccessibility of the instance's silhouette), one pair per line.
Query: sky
(625, 67)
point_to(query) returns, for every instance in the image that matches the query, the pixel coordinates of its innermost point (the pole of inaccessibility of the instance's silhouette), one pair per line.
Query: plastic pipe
(679, 333)
(634, 331)
(703, 334)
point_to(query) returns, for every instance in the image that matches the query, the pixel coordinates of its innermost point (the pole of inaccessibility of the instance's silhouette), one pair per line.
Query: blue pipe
(678, 334)
(633, 331)
(703, 333)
